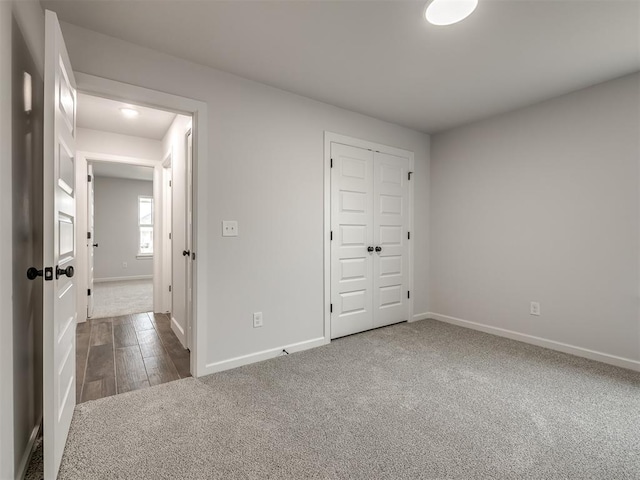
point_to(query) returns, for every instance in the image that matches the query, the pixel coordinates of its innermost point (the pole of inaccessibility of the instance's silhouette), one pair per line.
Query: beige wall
(541, 204)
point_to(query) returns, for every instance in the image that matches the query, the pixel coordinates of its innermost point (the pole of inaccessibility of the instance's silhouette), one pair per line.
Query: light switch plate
(229, 228)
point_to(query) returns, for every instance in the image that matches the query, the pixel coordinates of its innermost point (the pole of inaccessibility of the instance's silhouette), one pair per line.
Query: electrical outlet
(535, 309)
(124, 264)
(229, 228)
(257, 319)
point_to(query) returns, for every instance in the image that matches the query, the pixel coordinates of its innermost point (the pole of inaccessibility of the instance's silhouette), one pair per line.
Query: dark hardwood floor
(120, 354)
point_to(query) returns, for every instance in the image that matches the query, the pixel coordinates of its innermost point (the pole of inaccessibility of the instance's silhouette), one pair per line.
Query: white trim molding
(122, 279)
(541, 342)
(263, 355)
(179, 331)
(420, 316)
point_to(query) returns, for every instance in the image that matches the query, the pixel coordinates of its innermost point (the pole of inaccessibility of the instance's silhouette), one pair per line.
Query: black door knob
(33, 273)
(378, 249)
(64, 271)
(369, 249)
(186, 253)
(95, 244)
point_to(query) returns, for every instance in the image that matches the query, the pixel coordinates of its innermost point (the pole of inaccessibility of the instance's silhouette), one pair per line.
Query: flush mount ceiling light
(129, 112)
(448, 12)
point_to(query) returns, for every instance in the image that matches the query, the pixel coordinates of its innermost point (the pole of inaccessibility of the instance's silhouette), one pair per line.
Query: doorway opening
(133, 230)
(120, 246)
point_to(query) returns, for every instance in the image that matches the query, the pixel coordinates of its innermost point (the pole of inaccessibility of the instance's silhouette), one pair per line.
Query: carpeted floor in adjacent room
(421, 400)
(112, 299)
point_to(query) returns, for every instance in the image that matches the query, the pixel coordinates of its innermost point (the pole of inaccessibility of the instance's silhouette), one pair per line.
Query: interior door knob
(65, 271)
(95, 244)
(33, 273)
(369, 249)
(378, 248)
(186, 253)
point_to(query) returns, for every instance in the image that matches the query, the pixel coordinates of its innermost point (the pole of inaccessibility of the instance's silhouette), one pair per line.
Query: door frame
(167, 225)
(330, 137)
(83, 158)
(102, 87)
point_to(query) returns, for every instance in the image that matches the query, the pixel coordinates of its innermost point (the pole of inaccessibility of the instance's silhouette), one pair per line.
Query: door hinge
(169, 287)
(331, 235)
(408, 235)
(88, 178)
(408, 294)
(169, 182)
(89, 291)
(331, 163)
(193, 255)
(89, 235)
(410, 175)
(169, 235)
(331, 308)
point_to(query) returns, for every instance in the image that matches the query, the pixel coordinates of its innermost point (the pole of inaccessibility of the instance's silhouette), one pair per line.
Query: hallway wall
(116, 229)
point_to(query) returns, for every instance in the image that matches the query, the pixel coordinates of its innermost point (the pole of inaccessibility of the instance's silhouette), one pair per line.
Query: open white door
(189, 238)
(91, 241)
(59, 349)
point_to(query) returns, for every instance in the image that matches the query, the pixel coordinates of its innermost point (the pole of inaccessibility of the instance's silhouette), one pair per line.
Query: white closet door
(391, 219)
(352, 227)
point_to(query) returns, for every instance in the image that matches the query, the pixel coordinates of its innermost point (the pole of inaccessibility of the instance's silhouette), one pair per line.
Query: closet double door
(369, 239)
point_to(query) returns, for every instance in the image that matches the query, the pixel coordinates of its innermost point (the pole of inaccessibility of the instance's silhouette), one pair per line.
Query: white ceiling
(122, 170)
(382, 58)
(103, 114)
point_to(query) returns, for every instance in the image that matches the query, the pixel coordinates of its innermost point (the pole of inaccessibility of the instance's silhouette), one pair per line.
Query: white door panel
(91, 241)
(369, 208)
(351, 224)
(189, 240)
(391, 218)
(59, 246)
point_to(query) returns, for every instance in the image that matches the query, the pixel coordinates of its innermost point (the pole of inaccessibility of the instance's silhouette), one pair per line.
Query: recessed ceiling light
(447, 12)
(129, 112)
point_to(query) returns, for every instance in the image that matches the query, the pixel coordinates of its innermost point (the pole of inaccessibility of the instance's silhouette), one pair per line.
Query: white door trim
(83, 158)
(198, 110)
(330, 137)
(165, 245)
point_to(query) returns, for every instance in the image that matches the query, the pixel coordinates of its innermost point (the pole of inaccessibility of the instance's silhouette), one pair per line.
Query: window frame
(141, 225)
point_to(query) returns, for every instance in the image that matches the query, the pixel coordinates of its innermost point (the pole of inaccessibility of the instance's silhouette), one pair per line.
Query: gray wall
(116, 228)
(20, 399)
(264, 168)
(541, 204)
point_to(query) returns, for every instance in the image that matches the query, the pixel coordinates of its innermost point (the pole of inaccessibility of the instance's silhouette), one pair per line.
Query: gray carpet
(112, 299)
(421, 400)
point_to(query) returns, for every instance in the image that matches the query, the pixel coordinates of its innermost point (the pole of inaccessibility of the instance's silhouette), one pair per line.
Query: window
(145, 225)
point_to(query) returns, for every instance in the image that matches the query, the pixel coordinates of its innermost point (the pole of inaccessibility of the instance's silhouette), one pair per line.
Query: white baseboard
(541, 342)
(122, 279)
(420, 316)
(28, 451)
(179, 331)
(263, 355)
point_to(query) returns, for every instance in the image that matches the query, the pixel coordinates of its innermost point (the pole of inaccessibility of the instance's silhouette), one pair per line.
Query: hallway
(120, 354)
